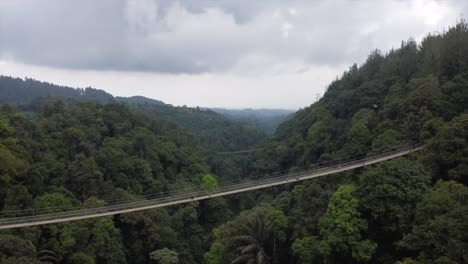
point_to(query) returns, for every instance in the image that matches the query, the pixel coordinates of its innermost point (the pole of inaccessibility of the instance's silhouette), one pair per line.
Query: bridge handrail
(289, 177)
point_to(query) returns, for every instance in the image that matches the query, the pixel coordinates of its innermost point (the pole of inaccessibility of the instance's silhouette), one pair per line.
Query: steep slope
(390, 99)
(408, 210)
(18, 91)
(88, 155)
(213, 132)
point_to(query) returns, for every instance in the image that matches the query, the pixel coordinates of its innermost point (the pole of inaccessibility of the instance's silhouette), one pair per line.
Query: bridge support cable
(186, 197)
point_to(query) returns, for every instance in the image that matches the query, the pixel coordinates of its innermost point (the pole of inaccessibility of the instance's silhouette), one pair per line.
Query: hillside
(85, 155)
(18, 91)
(408, 210)
(27, 94)
(213, 131)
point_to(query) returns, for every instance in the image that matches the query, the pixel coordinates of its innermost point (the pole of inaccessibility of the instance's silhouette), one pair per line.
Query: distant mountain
(265, 119)
(27, 94)
(17, 91)
(138, 100)
(257, 113)
(213, 131)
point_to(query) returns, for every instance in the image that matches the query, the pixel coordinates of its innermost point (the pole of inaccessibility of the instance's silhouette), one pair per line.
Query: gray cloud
(209, 35)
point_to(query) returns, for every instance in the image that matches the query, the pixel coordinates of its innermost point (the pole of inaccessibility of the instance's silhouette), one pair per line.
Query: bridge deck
(42, 219)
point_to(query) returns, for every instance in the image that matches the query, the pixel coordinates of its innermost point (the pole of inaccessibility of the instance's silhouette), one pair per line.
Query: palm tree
(47, 256)
(253, 246)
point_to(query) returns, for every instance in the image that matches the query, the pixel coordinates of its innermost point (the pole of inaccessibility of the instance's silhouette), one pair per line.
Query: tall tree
(342, 228)
(440, 230)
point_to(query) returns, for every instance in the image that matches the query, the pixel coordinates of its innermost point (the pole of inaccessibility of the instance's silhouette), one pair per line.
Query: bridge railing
(38, 216)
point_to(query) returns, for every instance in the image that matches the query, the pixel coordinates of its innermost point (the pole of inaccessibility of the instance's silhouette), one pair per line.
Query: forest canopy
(71, 148)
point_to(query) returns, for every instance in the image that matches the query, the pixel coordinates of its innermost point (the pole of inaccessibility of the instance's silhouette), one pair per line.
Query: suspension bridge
(34, 217)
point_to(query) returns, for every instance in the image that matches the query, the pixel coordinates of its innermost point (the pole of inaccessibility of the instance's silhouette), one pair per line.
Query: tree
(307, 249)
(208, 182)
(215, 255)
(309, 203)
(164, 256)
(386, 141)
(47, 256)
(14, 247)
(455, 49)
(254, 241)
(10, 167)
(456, 92)
(73, 138)
(446, 153)
(52, 202)
(359, 135)
(82, 258)
(280, 225)
(388, 196)
(106, 241)
(439, 233)
(17, 198)
(215, 210)
(422, 103)
(84, 177)
(342, 226)
(390, 191)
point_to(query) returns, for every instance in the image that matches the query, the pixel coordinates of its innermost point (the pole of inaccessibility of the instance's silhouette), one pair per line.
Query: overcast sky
(216, 53)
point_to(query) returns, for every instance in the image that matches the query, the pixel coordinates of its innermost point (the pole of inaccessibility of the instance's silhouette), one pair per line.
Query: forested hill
(92, 154)
(402, 96)
(81, 153)
(18, 91)
(30, 95)
(408, 210)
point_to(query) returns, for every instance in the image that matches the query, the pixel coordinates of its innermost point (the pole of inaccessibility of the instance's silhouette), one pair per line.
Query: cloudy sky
(223, 53)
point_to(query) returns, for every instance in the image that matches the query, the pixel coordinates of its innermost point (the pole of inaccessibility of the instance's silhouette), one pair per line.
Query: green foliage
(389, 192)
(217, 211)
(17, 198)
(439, 231)
(79, 148)
(47, 256)
(388, 196)
(408, 261)
(279, 221)
(309, 202)
(82, 258)
(307, 249)
(447, 153)
(386, 141)
(12, 247)
(10, 165)
(53, 202)
(106, 241)
(88, 155)
(164, 256)
(208, 182)
(5, 128)
(215, 254)
(411, 95)
(252, 243)
(84, 177)
(256, 236)
(342, 226)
